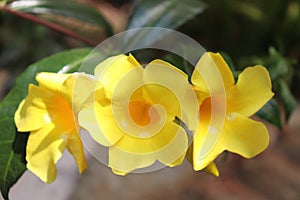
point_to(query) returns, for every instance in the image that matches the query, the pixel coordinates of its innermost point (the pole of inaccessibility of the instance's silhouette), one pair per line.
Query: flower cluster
(145, 114)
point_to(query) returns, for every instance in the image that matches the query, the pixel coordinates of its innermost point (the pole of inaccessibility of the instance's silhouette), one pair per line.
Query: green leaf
(169, 14)
(178, 62)
(248, 9)
(279, 66)
(271, 113)
(12, 143)
(288, 100)
(69, 9)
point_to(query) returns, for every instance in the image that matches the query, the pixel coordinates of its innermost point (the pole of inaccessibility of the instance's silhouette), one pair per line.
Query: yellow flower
(50, 116)
(224, 111)
(134, 110)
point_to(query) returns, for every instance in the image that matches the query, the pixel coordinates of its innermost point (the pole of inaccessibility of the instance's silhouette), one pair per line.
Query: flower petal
(251, 92)
(74, 146)
(44, 148)
(123, 162)
(176, 162)
(162, 79)
(51, 81)
(126, 86)
(240, 135)
(160, 64)
(245, 136)
(212, 169)
(154, 93)
(154, 143)
(113, 69)
(129, 63)
(173, 152)
(212, 74)
(200, 95)
(100, 123)
(206, 147)
(77, 89)
(33, 109)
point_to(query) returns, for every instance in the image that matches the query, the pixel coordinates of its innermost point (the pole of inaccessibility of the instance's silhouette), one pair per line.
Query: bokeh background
(245, 32)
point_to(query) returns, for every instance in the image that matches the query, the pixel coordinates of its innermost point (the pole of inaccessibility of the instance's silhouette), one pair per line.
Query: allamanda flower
(224, 111)
(49, 114)
(134, 110)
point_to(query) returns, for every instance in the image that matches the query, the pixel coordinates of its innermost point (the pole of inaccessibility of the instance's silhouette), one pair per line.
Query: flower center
(140, 113)
(63, 115)
(205, 110)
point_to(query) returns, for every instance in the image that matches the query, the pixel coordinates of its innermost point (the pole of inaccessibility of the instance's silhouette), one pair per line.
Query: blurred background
(245, 32)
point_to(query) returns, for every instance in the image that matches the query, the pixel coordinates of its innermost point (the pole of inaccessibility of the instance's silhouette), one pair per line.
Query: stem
(50, 25)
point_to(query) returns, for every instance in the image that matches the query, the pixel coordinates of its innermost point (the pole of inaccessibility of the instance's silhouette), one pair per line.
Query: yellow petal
(176, 162)
(129, 62)
(33, 109)
(206, 146)
(251, 92)
(125, 86)
(113, 69)
(77, 89)
(161, 79)
(209, 133)
(173, 152)
(75, 147)
(123, 162)
(212, 169)
(200, 95)
(148, 142)
(51, 81)
(212, 74)
(44, 148)
(160, 64)
(50, 118)
(43, 105)
(245, 136)
(154, 93)
(240, 135)
(100, 123)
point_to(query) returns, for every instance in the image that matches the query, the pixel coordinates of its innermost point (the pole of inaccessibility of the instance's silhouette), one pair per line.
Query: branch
(50, 25)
